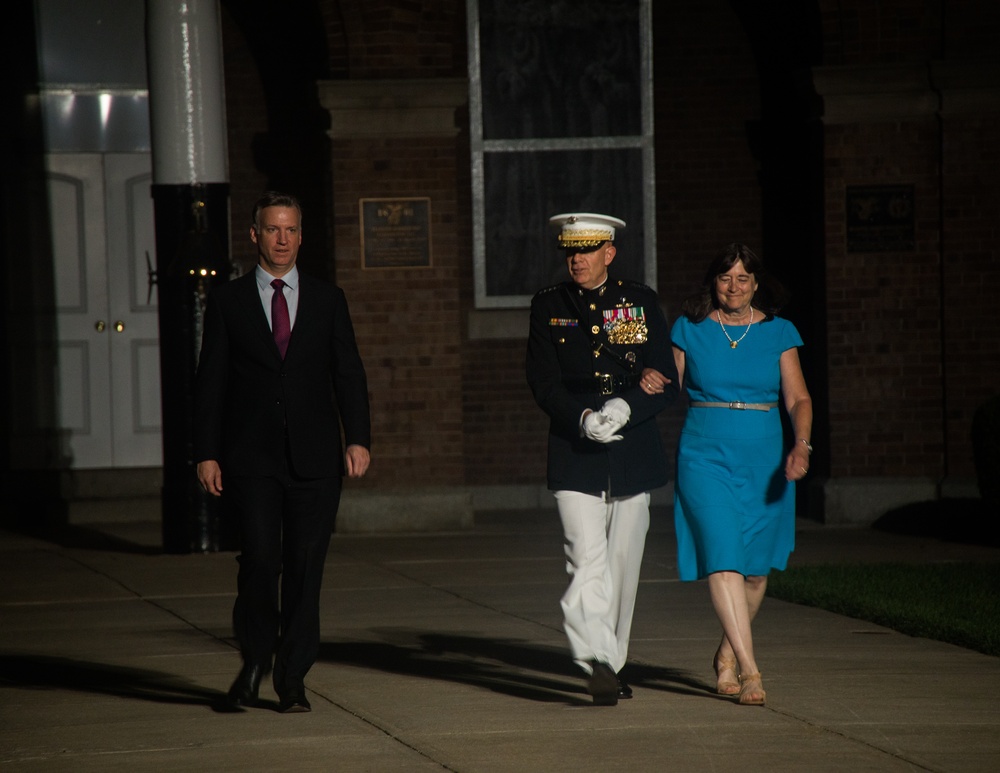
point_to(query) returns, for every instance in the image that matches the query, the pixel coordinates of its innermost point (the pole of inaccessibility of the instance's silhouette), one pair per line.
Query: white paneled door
(107, 397)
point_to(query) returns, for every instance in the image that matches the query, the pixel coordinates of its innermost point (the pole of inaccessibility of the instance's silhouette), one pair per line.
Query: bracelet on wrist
(808, 446)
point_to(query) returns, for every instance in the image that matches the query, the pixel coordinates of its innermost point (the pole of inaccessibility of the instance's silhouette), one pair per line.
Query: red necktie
(281, 325)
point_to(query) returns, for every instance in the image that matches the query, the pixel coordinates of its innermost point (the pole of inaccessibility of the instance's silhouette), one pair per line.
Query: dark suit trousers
(285, 526)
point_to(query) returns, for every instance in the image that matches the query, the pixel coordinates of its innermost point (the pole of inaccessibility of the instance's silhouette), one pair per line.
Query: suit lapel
(301, 313)
(248, 295)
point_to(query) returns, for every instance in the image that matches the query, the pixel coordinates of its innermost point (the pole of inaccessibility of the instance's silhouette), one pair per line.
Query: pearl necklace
(733, 344)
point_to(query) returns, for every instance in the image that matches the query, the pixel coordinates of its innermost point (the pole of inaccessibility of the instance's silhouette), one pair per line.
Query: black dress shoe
(603, 685)
(294, 703)
(624, 691)
(246, 687)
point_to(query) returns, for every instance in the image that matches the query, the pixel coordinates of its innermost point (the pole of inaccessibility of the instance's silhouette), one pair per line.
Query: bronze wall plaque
(395, 233)
(880, 218)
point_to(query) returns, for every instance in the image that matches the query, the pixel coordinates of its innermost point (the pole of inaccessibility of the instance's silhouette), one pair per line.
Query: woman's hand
(653, 382)
(797, 462)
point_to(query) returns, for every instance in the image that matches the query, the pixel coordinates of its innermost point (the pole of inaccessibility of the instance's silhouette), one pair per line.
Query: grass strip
(958, 603)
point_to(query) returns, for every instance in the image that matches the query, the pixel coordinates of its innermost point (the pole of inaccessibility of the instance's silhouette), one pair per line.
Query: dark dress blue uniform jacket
(615, 331)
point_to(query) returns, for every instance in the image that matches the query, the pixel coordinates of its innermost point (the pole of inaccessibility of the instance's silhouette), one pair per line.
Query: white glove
(600, 428)
(618, 411)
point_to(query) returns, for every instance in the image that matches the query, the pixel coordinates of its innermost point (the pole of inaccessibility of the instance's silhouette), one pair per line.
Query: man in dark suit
(278, 359)
(588, 343)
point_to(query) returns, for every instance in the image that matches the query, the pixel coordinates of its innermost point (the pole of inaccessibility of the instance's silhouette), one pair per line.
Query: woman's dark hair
(770, 295)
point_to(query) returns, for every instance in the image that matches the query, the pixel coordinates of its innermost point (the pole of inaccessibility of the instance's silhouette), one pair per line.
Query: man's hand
(653, 382)
(600, 428)
(358, 459)
(210, 477)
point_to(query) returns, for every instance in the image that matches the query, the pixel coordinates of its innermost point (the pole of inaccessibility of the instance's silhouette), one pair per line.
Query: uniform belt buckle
(737, 406)
(605, 384)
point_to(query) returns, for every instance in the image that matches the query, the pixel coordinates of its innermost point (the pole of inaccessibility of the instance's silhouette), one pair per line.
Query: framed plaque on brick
(880, 218)
(395, 233)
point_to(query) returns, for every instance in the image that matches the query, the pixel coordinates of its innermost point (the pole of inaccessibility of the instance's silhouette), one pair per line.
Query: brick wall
(971, 274)
(970, 167)
(862, 32)
(506, 433)
(908, 361)
(883, 311)
(396, 38)
(408, 321)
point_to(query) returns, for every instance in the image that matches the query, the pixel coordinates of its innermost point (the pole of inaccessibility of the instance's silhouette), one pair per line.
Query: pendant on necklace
(733, 344)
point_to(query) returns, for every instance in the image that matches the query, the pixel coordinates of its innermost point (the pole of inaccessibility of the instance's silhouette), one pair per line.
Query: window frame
(479, 148)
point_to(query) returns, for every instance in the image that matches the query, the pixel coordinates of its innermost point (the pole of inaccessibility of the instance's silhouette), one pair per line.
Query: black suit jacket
(562, 358)
(249, 402)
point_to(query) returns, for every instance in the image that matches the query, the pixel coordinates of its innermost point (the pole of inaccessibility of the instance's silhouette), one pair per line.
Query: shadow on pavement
(509, 666)
(39, 673)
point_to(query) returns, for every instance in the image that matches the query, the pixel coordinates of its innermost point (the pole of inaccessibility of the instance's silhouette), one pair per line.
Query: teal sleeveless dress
(733, 508)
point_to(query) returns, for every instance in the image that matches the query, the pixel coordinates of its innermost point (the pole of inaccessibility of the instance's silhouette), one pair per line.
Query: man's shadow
(509, 666)
(38, 672)
(81, 537)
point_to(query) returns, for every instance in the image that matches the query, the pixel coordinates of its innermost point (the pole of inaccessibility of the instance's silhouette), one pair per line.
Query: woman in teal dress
(734, 496)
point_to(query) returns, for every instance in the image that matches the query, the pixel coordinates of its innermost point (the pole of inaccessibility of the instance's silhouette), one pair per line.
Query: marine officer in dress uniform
(589, 340)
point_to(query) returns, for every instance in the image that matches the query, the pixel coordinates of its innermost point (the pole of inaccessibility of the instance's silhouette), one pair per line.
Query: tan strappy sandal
(751, 690)
(725, 686)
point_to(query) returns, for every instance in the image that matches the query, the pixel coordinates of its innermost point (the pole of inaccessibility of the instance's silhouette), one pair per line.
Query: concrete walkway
(446, 652)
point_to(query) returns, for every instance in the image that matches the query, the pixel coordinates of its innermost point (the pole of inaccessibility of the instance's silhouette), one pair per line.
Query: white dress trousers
(604, 541)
